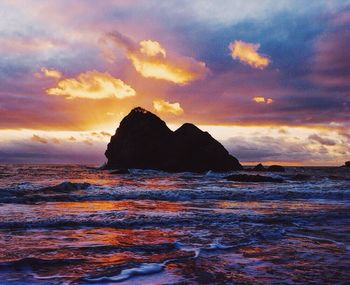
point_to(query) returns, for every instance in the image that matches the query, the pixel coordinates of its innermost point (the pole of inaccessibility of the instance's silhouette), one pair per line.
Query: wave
(142, 269)
(318, 239)
(144, 248)
(98, 193)
(153, 268)
(122, 221)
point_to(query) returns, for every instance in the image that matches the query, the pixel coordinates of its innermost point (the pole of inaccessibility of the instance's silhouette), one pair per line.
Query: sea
(76, 224)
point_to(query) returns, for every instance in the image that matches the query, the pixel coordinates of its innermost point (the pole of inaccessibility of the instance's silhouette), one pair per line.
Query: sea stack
(144, 141)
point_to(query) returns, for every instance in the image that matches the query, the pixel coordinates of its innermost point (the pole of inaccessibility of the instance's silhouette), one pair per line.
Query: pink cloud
(29, 45)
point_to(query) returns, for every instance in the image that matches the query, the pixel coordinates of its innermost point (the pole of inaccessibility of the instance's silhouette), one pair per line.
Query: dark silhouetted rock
(252, 178)
(347, 164)
(144, 141)
(259, 167)
(120, 171)
(276, 168)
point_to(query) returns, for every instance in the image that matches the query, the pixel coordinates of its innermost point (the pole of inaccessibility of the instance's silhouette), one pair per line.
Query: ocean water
(150, 227)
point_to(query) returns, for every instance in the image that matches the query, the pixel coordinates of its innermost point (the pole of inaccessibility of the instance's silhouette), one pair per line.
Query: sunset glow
(174, 142)
(253, 68)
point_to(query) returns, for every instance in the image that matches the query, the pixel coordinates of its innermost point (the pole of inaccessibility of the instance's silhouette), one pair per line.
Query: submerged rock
(252, 178)
(276, 168)
(259, 167)
(144, 141)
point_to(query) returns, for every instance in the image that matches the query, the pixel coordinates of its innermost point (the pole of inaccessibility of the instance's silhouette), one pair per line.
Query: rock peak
(140, 119)
(188, 127)
(139, 110)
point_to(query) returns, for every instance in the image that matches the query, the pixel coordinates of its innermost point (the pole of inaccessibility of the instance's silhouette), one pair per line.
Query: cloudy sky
(269, 79)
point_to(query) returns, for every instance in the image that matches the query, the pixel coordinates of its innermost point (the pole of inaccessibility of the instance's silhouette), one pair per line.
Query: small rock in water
(259, 167)
(252, 178)
(276, 168)
(347, 164)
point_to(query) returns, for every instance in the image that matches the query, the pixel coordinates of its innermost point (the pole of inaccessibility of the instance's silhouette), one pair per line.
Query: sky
(269, 79)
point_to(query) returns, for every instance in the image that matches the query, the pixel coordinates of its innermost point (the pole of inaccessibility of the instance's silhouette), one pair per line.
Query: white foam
(217, 245)
(143, 269)
(319, 239)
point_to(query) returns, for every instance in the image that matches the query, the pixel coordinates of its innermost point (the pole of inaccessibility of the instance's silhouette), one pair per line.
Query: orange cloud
(247, 53)
(260, 99)
(151, 60)
(51, 73)
(162, 106)
(152, 48)
(92, 85)
(164, 71)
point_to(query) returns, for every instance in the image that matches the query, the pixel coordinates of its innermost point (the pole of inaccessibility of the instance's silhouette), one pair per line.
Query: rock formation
(144, 141)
